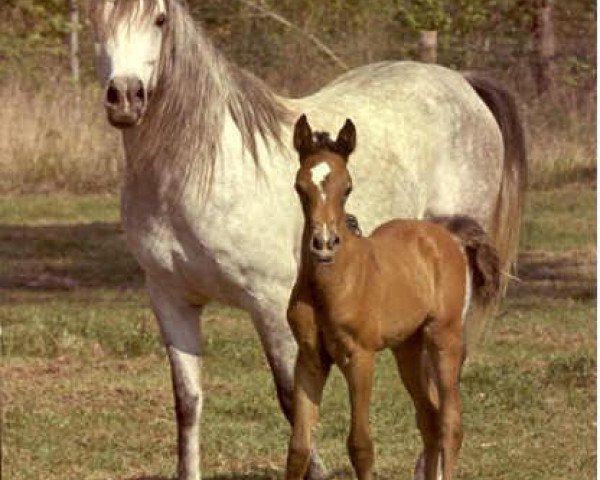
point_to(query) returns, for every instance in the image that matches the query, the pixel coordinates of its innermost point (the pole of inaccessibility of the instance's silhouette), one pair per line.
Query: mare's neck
(181, 138)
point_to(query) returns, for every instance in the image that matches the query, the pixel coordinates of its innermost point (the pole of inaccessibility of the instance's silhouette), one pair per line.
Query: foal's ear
(302, 136)
(346, 139)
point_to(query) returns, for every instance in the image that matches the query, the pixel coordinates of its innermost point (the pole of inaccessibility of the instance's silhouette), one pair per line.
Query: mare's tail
(484, 264)
(509, 205)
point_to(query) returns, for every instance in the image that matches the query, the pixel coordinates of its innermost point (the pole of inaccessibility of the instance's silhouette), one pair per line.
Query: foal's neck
(346, 274)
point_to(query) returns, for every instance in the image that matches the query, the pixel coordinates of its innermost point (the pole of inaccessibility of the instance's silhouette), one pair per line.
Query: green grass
(87, 393)
(64, 209)
(560, 219)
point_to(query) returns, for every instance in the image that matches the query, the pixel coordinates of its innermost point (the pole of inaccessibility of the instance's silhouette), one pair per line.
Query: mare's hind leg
(281, 351)
(416, 373)
(359, 375)
(444, 342)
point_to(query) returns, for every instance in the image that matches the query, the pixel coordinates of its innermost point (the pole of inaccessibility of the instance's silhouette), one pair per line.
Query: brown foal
(406, 287)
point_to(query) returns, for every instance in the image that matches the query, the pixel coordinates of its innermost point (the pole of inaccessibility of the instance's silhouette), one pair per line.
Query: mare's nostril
(141, 94)
(112, 95)
(317, 243)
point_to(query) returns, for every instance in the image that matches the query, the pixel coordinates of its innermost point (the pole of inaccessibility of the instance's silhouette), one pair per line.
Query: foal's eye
(161, 19)
(348, 192)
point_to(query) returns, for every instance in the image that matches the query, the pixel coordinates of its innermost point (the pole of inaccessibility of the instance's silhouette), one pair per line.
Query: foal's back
(422, 271)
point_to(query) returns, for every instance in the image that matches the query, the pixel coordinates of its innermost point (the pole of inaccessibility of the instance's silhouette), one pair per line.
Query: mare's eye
(161, 19)
(348, 192)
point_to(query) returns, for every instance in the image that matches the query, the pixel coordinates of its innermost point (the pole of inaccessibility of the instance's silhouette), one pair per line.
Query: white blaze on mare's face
(133, 48)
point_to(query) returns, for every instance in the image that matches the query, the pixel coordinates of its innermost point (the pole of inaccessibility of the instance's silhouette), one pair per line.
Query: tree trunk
(428, 46)
(544, 47)
(74, 40)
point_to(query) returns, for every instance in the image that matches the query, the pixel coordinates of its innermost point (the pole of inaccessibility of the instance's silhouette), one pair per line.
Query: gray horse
(208, 204)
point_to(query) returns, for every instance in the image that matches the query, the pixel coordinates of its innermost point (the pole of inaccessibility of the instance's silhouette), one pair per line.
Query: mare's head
(323, 184)
(129, 39)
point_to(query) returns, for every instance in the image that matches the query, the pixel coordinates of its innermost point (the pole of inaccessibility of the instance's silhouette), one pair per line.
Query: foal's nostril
(112, 95)
(317, 243)
(333, 242)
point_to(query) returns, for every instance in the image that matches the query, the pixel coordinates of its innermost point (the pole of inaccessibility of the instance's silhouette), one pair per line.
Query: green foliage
(423, 14)
(472, 34)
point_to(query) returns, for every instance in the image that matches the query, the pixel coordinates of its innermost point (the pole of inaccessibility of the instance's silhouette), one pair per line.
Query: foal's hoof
(316, 469)
(420, 467)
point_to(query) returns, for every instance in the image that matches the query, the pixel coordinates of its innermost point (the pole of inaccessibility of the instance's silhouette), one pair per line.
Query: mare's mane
(196, 88)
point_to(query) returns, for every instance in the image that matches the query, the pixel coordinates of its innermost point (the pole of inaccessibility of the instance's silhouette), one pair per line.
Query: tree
(544, 46)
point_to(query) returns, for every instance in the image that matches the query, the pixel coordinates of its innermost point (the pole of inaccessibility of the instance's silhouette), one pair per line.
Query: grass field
(86, 388)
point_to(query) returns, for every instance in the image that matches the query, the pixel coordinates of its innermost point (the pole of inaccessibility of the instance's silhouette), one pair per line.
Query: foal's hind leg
(359, 375)
(417, 377)
(445, 345)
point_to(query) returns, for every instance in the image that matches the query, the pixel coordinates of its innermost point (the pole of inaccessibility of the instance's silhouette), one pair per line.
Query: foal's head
(324, 184)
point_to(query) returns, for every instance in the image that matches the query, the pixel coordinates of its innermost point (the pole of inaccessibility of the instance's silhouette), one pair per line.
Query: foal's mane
(322, 141)
(180, 134)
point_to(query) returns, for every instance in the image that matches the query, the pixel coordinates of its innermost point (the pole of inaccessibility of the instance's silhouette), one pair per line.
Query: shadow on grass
(65, 257)
(151, 477)
(95, 255)
(258, 475)
(264, 474)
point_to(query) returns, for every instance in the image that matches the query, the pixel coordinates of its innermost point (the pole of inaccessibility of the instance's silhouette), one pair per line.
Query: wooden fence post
(544, 47)
(74, 40)
(428, 46)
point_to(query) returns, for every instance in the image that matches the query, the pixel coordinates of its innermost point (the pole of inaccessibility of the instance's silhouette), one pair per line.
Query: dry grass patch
(56, 137)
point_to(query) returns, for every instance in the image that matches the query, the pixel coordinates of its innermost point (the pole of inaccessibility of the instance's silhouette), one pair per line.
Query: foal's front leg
(359, 375)
(309, 380)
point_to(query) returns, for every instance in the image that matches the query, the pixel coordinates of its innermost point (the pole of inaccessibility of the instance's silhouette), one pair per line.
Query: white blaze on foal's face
(132, 48)
(318, 175)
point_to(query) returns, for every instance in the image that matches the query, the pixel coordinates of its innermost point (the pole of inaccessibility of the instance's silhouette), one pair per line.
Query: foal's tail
(509, 206)
(484, 265)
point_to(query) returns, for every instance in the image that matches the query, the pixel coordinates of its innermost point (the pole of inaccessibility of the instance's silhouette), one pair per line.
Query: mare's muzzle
(324, 244)
(125, 101)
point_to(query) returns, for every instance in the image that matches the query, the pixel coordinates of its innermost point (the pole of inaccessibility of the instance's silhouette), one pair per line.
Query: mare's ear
(302, 136)
(346, 139)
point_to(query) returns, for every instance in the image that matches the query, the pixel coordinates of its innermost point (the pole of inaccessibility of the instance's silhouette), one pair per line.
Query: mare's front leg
(359, 376)
(281, 351)
(310, 376)
(180, 330)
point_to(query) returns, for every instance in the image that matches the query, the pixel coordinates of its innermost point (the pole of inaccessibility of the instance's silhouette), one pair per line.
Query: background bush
(55, 136)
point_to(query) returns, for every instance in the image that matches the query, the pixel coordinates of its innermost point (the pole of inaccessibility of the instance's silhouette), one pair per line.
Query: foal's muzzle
(324, 244)
(125, 101)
